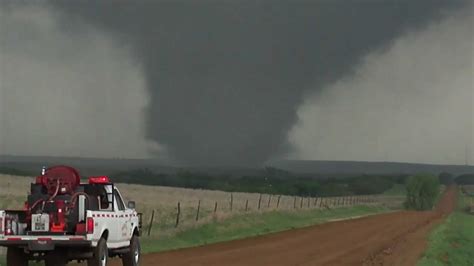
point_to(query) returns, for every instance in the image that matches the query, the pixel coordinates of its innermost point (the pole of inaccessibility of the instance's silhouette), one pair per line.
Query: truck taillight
(90, 225)
(8, 226)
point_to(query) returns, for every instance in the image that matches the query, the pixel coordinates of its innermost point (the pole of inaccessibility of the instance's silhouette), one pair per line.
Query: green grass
(244, 226)
(452, 243)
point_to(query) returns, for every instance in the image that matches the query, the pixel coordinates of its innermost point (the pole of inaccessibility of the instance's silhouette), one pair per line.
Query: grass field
(452, 243)
(224, 223)
(164, 200)
(244, 226)
(468, 189)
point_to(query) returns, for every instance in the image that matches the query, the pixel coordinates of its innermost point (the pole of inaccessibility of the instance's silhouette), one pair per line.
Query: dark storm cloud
(225, 78)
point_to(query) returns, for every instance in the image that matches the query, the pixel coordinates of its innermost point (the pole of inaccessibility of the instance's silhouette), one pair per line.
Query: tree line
(270, 181)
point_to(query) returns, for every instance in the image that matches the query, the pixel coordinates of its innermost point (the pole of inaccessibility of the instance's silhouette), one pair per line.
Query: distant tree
(365, 185)
(422, 191)
(466, 179)
(269, 181)
(446, 178)
(275, 172)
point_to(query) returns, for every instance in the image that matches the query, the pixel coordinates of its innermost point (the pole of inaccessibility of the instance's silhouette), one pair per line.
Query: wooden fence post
(197, 213)
(321, 202)
(215, 207)
(246, 205)
(278, 201)
(316, 202)
(178, 214)
(309, 201)
(301, 203)
(231, 201)
(151, 222)
(294, 203)
(269, 201)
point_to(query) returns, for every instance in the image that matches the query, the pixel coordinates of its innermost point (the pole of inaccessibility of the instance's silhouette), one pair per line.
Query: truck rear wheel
(132, 257)
(101, 254)
(16, 257)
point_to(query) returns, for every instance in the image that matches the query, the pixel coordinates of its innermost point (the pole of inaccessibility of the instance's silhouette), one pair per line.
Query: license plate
(40, 227)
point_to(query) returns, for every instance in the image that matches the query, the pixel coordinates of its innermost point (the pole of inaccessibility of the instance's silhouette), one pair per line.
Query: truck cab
(64, 220)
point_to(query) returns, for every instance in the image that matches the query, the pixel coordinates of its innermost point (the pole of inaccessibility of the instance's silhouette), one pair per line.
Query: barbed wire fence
(202, 211)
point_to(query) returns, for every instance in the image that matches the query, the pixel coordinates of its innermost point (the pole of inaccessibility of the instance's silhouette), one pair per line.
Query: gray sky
(237, 82)
(67, 94)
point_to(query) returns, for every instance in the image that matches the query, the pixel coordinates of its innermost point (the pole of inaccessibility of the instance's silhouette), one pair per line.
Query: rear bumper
(44, 244)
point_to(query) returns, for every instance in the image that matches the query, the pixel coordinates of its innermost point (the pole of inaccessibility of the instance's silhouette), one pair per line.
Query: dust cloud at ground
(410, 101)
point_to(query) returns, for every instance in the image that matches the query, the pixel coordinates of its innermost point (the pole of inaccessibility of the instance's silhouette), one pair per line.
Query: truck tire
(16, 257)
(132, 257)
(100, 254)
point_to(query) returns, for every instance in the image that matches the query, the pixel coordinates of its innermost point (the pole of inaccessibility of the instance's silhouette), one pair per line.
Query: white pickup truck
(65, 220)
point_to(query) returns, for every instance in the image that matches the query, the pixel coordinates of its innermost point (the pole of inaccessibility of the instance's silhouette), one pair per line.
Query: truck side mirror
(131, 204)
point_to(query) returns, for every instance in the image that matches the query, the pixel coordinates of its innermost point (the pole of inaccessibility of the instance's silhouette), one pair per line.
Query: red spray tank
(58, 181)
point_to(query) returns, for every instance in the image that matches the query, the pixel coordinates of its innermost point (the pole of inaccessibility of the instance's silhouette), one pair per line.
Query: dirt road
(397, 238)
